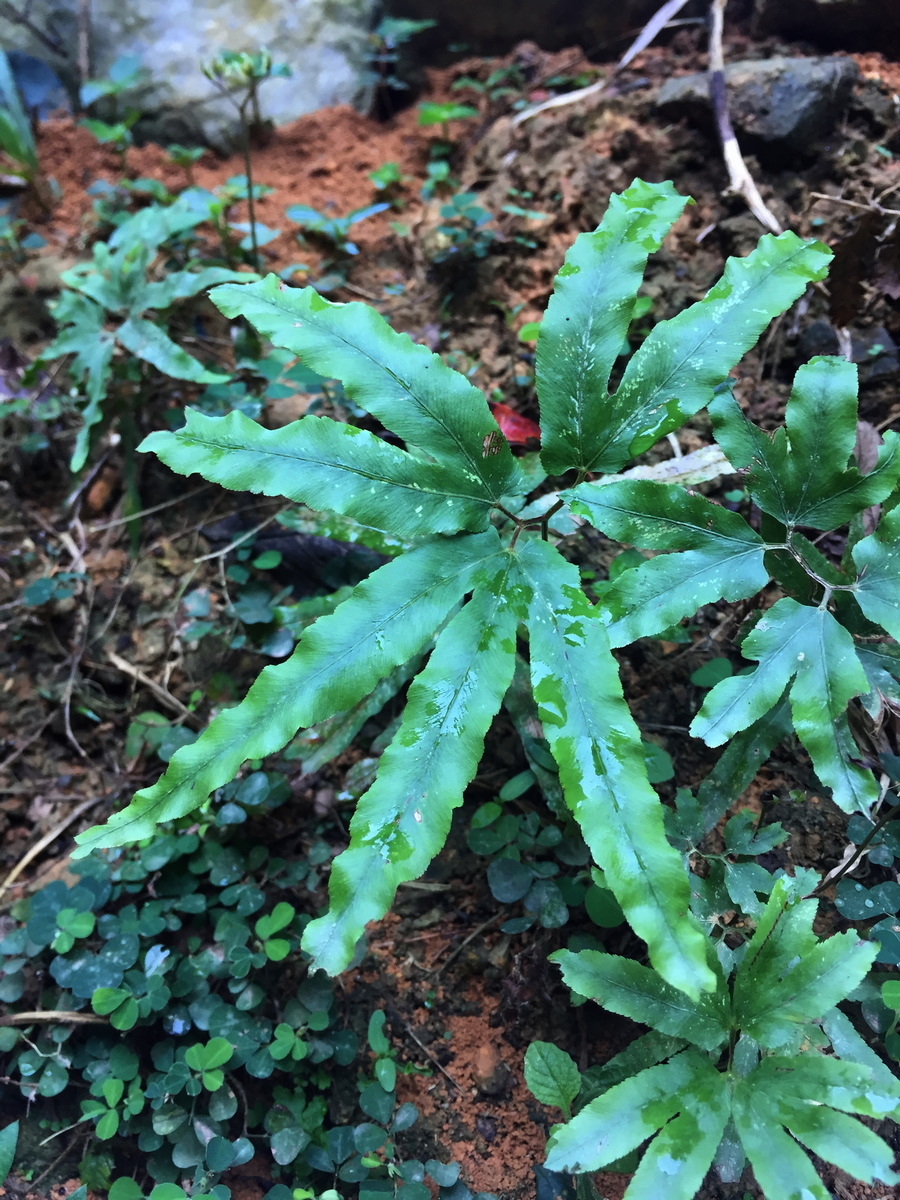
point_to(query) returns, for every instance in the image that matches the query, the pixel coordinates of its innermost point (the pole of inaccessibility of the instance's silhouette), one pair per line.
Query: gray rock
(323, 41)
(788, 102)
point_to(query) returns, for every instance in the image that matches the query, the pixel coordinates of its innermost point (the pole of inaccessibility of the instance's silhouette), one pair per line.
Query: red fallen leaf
(517, 430)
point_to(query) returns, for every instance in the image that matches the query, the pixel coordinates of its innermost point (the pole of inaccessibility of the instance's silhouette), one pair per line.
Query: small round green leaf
(509, 880)
(386, 1073)
(603, 908)
(368, 1138)
(404, 1118)
(108, 1125)
(288, 1143)
(378, 1042)
(377, 1103)
(168, 1191)
(219, 1154)
(125, 1188)
(443, 1174)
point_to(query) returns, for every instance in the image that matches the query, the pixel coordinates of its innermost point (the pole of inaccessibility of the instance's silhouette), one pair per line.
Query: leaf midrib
(752, 540)
(417, 489)
(688, 1011)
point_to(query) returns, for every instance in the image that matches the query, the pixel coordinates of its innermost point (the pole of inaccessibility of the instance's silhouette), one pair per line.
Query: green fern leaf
(674, 372)
(403, 820)
(834, 1136)
(388, 618)
(597, 746)
(846, 1086)
(785, 980)
(587, 318)
(324, 464)
(631, 990)
(801, 1094)
(780, 1166)
(404, 385)
(84, 336)
(677, 1160)
(181, 285)
(800, 475)
(721, 556)
(783, 934)
(810, 986)
(807, 649)
(629, 1113)
(848, 1045)
(878, 588)
(150, 343)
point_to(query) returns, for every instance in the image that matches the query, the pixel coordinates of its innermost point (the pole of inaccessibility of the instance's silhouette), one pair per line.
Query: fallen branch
(49, 1017)
(740, 181)
(657, 22)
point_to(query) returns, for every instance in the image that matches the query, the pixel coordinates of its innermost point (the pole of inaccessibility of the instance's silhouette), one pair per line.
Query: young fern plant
(113, 304)
(763, 1066)
(480, 567)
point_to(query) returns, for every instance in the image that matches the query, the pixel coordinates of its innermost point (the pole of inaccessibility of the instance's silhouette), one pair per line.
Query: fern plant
(114, 303)
(480, 566)
(334, 232)
(743, 1073)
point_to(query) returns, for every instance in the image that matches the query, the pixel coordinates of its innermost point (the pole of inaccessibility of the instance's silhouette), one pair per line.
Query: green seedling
(443, 113)
(185, 157)
(125, 75)
(113, 310)
(236, 71)
(333, 231)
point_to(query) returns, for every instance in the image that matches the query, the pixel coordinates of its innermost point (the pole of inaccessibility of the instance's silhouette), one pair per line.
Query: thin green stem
(248, 171)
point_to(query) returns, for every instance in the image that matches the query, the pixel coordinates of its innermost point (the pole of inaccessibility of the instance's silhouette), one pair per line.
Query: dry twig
(740, 181)
(462, 945)
(395, 1016)
(657, 22)
(166, 698)
(145, 512)
(45, 841)
(51, 1017)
